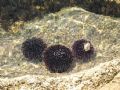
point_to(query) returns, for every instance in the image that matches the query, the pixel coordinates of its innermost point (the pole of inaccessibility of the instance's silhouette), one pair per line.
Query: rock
(84, 80)
(63, 27)
(113, 85)
(13, 11)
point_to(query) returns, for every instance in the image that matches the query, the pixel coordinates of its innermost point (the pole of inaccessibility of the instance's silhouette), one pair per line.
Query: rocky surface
(64, 27)
(84, 80)
(113, 85)
(25, 10)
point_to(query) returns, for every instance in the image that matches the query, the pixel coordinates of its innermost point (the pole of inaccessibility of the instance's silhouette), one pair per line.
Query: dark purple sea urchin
(58, 58)
(33, 48)
(83, 49)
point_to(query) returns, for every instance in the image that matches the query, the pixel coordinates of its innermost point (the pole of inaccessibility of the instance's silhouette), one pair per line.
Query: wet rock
(103, 32)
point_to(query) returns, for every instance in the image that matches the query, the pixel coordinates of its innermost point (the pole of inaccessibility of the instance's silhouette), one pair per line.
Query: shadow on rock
(104, 7)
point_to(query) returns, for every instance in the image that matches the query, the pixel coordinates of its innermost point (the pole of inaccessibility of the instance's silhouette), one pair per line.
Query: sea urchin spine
(83, 49)
(58, 58)
(33, 48)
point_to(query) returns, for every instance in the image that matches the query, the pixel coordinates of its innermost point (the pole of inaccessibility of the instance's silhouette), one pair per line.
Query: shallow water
(64, 28)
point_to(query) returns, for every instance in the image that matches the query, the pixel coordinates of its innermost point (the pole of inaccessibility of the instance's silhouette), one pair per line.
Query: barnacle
(58, 58)
(33, 48)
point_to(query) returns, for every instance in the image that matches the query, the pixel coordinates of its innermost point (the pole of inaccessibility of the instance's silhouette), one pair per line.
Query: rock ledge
(84, 80)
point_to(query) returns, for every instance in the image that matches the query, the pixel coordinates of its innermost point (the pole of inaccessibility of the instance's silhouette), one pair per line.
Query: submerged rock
(63, 28)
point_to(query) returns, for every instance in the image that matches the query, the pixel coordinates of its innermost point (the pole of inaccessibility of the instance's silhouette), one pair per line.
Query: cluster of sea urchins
(33, 48)
(83, 49)
(58, 58)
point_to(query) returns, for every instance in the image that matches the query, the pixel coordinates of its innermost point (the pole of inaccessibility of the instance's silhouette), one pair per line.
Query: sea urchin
(83, 49)
(33, 48)
(58, 58)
